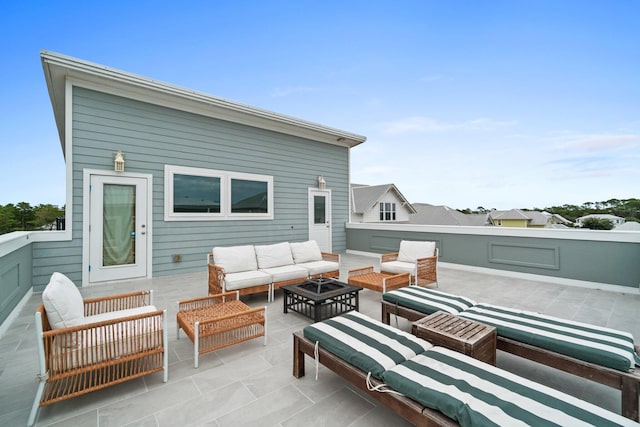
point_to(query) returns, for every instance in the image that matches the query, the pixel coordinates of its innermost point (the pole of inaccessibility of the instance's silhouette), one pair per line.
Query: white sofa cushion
(62, 302)
(234, 259)
(246, 279)
(397, 267)
(306, 251)
(410, 251)
(319, 267)
(287, 272)
(275, 255)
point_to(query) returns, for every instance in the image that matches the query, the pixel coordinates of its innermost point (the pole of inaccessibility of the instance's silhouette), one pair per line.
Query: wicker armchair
(126, 338)
(420, 259)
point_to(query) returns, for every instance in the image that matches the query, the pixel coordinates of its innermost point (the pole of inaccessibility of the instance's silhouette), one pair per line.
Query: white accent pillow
(62, 302)
(275, 255)
(306, 251)
(410, 251)
(235, 259)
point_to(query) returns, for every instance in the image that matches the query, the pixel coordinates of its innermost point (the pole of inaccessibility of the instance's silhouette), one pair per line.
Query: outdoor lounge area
(253, 384)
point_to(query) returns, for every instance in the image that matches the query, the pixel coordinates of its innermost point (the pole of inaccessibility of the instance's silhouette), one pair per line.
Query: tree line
(24, 217)
(629, 209)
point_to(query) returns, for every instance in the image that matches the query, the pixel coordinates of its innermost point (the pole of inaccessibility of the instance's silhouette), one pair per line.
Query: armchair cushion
(235, 259)
(246, 279)
(275, 255)
(63, 302)
(397, 267)
(410, 251)
(306, 251)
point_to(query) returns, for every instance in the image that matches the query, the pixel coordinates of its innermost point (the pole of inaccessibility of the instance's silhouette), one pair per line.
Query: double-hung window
(197, 194)
(387, 211)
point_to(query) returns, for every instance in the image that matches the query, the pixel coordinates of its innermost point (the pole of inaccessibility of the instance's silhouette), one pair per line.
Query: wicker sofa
(435, 386)
(251, 269)
(88, 344)
(418, 258)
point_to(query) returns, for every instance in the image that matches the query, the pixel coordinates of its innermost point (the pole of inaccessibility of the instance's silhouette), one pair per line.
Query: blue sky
(500, 104)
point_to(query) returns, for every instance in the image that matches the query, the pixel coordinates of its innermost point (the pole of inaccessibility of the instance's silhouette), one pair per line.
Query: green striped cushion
(599, 345)
(365, 343)
(428, 301)
(478, 394)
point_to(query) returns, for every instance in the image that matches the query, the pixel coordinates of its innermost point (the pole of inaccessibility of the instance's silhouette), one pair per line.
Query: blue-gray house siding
(152, 136)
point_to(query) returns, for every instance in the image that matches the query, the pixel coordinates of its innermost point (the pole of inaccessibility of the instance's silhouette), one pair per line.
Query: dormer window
(387, 211)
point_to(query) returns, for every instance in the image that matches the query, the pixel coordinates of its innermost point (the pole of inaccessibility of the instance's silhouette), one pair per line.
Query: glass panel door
(119, 225)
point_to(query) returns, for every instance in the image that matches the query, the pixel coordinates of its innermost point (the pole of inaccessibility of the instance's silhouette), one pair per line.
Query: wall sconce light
(321, 183)
(118, 162)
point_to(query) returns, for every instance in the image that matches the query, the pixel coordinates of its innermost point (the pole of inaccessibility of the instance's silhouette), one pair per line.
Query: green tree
(597, 224)
(25, 215)
(45, 216)
(8, 218)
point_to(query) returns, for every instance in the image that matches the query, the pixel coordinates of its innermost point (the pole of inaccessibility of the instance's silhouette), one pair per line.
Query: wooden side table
(365, 277)
(218, 321)
(465, 336)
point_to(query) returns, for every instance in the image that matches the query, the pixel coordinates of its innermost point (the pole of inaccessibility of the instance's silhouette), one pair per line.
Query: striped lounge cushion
(428, 301)
(599, 345)
(477, 394)
(365, 343)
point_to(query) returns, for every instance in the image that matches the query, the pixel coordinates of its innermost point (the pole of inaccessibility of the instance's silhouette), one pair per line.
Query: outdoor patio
(252, 384)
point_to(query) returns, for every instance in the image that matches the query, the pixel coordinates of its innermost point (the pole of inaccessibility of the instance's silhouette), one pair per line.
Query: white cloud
(600, 142)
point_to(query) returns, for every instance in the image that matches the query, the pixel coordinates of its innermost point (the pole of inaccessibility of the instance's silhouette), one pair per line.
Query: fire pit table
(320, 299)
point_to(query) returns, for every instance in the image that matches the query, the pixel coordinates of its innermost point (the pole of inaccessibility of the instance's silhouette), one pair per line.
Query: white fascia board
(59, 67)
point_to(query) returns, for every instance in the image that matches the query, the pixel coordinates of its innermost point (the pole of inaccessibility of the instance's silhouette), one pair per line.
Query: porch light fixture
(321, 183)
(118, 162)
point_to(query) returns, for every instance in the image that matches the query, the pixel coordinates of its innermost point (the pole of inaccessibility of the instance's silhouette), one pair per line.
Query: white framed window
(198, 194)
(387, 211)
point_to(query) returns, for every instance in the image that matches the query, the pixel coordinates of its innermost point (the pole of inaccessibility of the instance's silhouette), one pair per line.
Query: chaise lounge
(430, 385)
(599, 354)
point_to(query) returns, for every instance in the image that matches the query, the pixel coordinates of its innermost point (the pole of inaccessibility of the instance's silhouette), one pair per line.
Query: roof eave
(57, 68)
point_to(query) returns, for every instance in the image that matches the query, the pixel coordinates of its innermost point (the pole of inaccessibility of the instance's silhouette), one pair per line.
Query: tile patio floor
(252, 385)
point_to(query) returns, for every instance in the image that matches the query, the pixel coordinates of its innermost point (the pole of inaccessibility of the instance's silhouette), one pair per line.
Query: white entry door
(320, 218)
(118, 230)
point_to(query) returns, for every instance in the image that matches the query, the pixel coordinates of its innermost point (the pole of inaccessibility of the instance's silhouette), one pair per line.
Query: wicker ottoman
(218, 321)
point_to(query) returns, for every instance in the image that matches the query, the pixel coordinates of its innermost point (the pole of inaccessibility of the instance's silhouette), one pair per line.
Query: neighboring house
(199, 171)
(427, 214)
(628, 226)
(379, 203)
(615, 220)
(527, 219)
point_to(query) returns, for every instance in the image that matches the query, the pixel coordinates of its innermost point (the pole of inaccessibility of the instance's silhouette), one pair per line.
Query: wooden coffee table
(380, 282)
(462, 335)
(218, 321)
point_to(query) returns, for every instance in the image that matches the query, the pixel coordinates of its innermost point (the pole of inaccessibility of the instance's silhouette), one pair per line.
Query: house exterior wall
(151, 136)
(522, 223)
(373, 214)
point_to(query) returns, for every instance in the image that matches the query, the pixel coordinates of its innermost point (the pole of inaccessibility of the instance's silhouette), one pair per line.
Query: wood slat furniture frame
(627, 382)
(380, 282)
(217, 321)
(427, 268)
(61, 378)
(409, 409)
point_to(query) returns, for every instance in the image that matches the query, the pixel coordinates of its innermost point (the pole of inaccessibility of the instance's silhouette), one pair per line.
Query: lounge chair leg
(36, 404)
(165, 344)
(298, 359)
(630, 399)
(265, 325)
